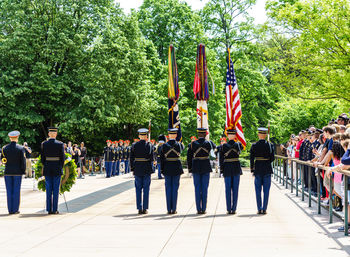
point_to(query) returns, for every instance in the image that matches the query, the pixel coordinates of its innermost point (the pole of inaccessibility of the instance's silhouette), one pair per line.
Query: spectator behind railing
(328, 147)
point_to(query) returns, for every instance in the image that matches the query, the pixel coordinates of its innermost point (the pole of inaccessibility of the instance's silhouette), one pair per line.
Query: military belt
(142, 159)
(201, 158)
(172, 159)
(232, 160)
(261, 159)
(52, 159)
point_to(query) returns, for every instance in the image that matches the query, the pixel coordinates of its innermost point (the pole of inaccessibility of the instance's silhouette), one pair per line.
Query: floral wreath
(68, 178)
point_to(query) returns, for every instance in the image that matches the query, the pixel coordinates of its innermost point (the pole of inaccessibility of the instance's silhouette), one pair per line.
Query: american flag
(233, 104)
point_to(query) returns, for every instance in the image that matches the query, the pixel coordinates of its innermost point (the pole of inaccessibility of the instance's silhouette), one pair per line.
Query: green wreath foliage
(66, 187)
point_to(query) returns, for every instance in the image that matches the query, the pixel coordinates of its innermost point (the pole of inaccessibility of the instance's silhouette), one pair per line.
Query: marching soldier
(52, 157)
(108, 158)
(261, 155)
(13, 156)
(141, 161)
(171, 168)
(199, 165)
(230, 167)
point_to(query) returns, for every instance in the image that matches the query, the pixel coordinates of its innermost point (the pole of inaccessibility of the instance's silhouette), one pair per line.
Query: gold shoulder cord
(3, 160)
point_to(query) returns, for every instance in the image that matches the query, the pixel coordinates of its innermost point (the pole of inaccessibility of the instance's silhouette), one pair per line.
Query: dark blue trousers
(201, 184)
(113, 169)
(142, 184)
(117, 168)
(13, 191)
(108, 167)
(52, 184)
(231, 189)
(172, 184)
(126, 166)
(159, 173)
(262, 182)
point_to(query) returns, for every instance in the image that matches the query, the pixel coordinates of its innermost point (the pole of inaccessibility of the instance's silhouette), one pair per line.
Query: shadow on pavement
(88, 200)
(136, 216)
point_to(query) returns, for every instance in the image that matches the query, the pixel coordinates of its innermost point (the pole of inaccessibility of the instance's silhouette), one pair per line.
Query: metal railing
(280, 174)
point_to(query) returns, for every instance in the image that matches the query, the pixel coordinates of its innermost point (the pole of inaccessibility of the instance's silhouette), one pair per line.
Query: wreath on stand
(68, 178)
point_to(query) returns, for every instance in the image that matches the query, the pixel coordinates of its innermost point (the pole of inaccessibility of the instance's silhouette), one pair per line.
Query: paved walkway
(102, 222)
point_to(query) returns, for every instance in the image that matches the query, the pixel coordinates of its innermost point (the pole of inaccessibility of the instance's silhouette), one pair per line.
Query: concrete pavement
(103, 222)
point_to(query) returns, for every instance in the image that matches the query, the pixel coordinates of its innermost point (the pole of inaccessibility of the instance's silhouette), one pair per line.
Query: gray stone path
(103, 222)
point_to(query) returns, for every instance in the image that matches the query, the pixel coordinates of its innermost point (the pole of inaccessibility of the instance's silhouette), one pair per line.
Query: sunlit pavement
(102, 220)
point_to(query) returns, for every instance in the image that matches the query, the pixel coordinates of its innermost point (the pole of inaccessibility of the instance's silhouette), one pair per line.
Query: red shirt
(297, 148)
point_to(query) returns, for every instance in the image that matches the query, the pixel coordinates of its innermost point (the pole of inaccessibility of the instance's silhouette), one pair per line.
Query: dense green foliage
(312, 57)
(99, 73)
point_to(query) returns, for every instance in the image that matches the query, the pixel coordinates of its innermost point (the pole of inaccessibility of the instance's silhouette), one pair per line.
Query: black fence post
(331, 199)
(291, 176)
(346, 204)
(286, 172)
(283, 171)
(309, 183)
(297, 178)
(318, 191)
(302, 182)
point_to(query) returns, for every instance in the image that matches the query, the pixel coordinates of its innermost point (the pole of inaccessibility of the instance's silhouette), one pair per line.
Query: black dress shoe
(233, 212)
(264, 212)
(204, 212)
(228, 213)
(144, 212)
(260, 212)
(56, 212)
(169, 212)
(174, 212)
(50, 212)
(199, 212)
(140, 211)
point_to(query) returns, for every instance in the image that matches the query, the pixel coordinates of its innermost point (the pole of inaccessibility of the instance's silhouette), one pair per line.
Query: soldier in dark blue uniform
(52, 157)
(161, 141)
(13, 156)
(108, 156)
(199, 165)
(261, 155)
(230, 167)
(126, 156)
(302, 153)
(315, 144)
(171, 168)
(141, 161)
(114, 161)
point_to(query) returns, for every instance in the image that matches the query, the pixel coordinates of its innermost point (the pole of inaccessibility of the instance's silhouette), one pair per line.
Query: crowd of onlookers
(79, 154)
(329, 146)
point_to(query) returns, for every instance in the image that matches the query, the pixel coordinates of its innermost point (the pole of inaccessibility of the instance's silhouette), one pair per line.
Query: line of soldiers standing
(142, 155)
(116, 156)
(198, 161)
